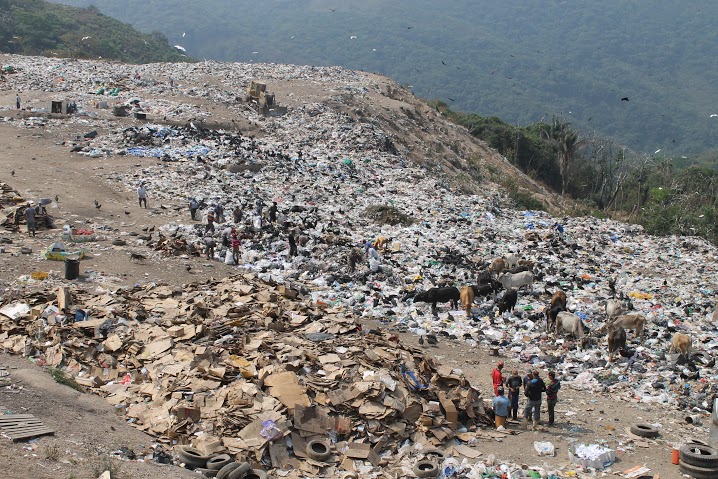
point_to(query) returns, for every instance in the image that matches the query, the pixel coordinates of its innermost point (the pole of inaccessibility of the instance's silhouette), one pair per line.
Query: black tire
(425, 468)
(644, 430)
(191, 457)
(699, 456)
(319, 450)
(436, 454)
(240, 472)
(119, 242)
(224, 472)
(206, 472)
(218, 462)
(698, 472)
(256, 474)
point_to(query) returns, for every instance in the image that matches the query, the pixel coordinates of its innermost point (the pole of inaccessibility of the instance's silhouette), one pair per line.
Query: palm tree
(566, 142)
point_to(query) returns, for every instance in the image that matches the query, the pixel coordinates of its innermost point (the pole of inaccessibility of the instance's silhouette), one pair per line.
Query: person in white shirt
(142, 195)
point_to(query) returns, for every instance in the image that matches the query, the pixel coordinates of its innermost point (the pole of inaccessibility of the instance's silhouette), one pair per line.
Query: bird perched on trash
(431, 339)
(421, 340)
(12, 173)
(149, 229)
(57, 198)
(188, 267)
(127, 213)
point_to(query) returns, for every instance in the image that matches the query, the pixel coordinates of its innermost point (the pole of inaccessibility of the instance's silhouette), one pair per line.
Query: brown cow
(558, 304)
(616, 340)
(636, 322)
(497, 265)
(681, 343)
(559, 297)
(467, 299)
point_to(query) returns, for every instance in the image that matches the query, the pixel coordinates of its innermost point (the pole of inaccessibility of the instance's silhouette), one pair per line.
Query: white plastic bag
(228, 257)
(544, 448)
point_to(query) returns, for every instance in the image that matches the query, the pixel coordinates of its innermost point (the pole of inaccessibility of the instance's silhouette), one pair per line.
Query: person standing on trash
(210, 222)
(514, 383)
(142, 195)
(17, 101)
(259, 204)
(558, 227)
(552, 395)
(272, 212)
(193, 206)
(30, 219)
(219, 213)
(501, 408)
(237, 215)
(353, 257)
(534, 389)
(235, 248)
(497, 378)
(292, 245)
(227, 236)
(209, 244)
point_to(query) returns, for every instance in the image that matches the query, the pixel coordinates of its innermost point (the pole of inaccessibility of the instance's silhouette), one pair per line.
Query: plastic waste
(270, 431)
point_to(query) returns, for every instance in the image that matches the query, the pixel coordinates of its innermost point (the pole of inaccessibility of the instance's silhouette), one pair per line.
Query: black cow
(486, 290)
(485, 277)
(551, 313)
(508, 301)
(439, 295)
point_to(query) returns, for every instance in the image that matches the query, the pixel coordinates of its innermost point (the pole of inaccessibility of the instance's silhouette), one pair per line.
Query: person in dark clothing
(514, 383)
(210, 223)
(272, 212)
(193, 206)
(292, 245)
(353, 257)
(534, 389)
(30, 219)
(17, 101)
(237, 214)
(552, 395)
(219, 213)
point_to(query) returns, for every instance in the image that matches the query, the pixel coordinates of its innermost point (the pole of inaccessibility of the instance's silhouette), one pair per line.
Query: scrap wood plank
(23, 426)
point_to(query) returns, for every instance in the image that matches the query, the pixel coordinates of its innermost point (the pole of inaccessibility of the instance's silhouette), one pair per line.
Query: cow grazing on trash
(512, 260)
(636, 322)
(439, 295)
(497, 265)
(508, 301)
(681, 343)
(516, 281)
(615, 308)
(558, 304)
(616, 340)
(467, 299)
(569, 323)
(487, 290)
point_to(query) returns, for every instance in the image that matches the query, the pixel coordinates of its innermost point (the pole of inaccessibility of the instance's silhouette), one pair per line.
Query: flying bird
(183, 34)
(85, 38)
(180, 48)
(442, 62)
(655, 152)
(625, 98)
(451, 99)
(714, 115)
(409, 28)
(353, 37)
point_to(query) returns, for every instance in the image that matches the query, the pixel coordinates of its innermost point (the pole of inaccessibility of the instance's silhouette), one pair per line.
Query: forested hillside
(37, 27)
(520, 61)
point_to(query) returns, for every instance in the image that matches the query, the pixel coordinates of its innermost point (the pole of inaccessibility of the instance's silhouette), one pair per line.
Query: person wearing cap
(30, 218)
(501, 408)
(142, 195)
(497, 378)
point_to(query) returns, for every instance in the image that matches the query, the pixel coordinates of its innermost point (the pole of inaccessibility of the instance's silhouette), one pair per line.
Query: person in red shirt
(235, 248)
(497, 377)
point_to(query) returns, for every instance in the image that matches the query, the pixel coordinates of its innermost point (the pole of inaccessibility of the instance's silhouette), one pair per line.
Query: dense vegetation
(520, 61)
(609, 179)
(37, 27)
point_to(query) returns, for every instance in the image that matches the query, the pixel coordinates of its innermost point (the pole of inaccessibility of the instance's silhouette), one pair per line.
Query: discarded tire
(644, 430)
(699, 456)
(226, 470)
(426, 468)
(206, 472)
(437, 454)
(191, 457)
(218, 462)
(119, 242)
(25, 250)
(240, 472)
(319, 450)
(698, 472)
(256, 474)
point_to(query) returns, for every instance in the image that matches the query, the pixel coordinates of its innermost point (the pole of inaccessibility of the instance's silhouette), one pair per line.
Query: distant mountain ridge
(521, 61)
(37, 27)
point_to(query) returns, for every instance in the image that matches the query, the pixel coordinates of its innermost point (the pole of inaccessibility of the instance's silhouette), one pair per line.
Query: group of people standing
(532, 386)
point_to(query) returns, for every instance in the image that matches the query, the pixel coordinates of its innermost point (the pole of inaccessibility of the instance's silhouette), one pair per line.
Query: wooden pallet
(23, 426)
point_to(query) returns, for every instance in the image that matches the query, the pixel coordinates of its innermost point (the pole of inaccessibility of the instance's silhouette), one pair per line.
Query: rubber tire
(119, 242)
(218, 462)
(191, 457)
(240, 472)
(644, 430)
(256, 474)
(437, 453)
(707, 457)
(698, 472)
(224, 472)
(317, 455)
(426, 469)
(206, 472)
